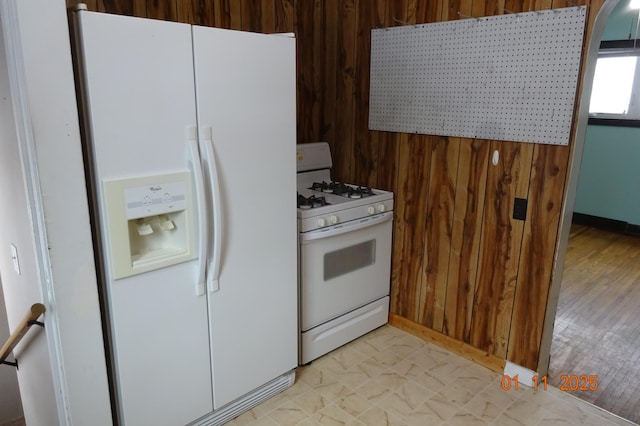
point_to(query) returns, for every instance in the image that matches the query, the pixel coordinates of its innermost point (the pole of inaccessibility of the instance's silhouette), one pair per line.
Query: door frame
(575, 162)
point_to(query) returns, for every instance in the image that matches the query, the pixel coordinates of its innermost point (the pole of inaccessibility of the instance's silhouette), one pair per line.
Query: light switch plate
(14, 259)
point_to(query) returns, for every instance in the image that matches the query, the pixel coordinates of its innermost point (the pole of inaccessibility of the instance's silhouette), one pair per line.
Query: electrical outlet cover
(520, 209)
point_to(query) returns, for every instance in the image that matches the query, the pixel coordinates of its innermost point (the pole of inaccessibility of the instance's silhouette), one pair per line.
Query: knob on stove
(322, 222)
(381, 208)
(371, 210)
(333, 219)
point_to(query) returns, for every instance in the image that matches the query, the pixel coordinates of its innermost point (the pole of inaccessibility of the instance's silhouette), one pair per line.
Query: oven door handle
(335, 230)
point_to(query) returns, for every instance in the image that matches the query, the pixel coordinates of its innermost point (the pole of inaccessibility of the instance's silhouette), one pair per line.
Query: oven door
(344, 267)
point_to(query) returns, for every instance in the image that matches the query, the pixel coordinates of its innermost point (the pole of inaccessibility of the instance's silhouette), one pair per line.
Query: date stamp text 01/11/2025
(567, 382)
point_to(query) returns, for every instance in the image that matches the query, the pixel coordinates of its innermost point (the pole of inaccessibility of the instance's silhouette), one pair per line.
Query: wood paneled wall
(461, 265)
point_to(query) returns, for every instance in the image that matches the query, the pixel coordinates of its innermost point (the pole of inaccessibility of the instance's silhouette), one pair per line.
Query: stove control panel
(333, 220)
(325, 219)
(379, 208)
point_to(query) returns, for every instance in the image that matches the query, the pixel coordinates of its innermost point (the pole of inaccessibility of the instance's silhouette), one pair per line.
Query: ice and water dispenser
(149, 222)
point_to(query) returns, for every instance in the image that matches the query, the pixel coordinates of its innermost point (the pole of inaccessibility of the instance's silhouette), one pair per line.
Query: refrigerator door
(245, 85)
(138, 84)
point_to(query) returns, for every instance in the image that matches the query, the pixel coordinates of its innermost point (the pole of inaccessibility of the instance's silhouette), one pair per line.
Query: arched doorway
(570, 198)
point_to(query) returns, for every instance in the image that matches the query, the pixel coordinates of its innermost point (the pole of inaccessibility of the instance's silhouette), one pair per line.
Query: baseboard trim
(463, 349)
(605, 223)
(525, 376)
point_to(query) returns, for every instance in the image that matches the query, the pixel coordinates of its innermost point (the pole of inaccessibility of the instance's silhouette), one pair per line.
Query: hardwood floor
(597, 328)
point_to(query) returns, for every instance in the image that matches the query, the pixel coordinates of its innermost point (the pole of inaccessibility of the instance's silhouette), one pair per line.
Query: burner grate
(311, 202)
(341, 189)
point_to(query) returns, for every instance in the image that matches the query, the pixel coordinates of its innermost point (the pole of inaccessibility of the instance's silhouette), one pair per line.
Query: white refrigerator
(189, 135)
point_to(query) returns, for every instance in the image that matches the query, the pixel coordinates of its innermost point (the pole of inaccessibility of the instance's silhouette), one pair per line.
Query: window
(615, 95)
(612, 85)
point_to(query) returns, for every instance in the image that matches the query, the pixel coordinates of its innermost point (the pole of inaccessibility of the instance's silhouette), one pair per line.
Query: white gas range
(344, 257)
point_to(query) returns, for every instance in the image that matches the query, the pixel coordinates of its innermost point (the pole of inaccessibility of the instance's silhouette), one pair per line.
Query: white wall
(62, 372)
(10, 405)
(20, 290)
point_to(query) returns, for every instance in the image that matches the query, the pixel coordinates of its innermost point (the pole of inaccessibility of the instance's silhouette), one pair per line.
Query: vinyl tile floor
(389, 377)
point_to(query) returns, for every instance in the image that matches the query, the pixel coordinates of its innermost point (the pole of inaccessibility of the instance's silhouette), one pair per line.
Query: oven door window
(349, 259)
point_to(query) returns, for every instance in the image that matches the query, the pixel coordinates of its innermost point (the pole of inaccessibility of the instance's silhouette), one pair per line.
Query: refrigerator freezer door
(246, 93)
(138, 81)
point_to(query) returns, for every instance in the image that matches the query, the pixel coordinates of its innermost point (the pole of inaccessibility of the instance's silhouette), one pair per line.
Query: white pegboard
(508, 77)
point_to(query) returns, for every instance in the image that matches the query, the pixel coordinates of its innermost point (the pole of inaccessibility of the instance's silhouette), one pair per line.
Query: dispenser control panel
(158, 198)
(149, 222)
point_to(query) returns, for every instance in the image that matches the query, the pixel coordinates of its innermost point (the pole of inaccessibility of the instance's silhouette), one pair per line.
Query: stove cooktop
(312, 202)
(322, 201)
(320, 191)
(310, 199)
(342, 189)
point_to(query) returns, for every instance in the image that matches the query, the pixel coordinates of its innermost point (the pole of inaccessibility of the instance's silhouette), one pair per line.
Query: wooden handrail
(34, 313)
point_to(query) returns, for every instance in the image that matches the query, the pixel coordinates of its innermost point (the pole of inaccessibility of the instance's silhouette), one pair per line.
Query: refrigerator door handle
(213, 272)
(198, 177)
